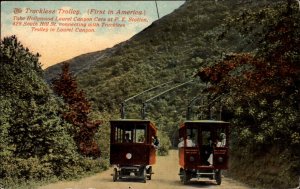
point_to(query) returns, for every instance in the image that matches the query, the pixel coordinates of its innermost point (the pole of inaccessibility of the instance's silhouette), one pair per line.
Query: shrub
(165, 144)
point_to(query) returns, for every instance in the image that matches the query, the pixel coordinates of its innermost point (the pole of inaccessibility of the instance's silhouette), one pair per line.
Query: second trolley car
(203, 149)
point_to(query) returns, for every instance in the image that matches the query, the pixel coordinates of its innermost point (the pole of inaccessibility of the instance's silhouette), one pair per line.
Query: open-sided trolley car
(131, 149)
(203, 150)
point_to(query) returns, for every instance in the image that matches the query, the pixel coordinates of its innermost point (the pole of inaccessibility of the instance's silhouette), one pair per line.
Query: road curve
(165, 177)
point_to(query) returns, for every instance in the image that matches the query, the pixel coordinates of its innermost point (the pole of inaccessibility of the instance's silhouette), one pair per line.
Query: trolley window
(130, 133)
(192, 134)
(206, 137)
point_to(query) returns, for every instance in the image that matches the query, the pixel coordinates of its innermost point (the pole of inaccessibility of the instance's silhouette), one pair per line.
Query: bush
(165, 144)
(35, 143)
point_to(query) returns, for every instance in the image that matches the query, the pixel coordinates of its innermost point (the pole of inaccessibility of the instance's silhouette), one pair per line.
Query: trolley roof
(131, 120)
(204, 123)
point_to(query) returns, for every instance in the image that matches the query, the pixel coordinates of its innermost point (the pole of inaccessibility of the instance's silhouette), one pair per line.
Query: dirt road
(165, 177)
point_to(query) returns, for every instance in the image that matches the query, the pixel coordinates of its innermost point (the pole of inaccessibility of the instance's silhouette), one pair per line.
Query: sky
(57, 46)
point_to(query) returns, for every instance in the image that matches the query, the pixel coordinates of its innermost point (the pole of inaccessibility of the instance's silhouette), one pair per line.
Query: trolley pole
(189, 108)
(143, 110)
(123, 104)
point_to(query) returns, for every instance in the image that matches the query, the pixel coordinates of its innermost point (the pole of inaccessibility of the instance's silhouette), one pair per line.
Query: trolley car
(203, 150)
(131, 149)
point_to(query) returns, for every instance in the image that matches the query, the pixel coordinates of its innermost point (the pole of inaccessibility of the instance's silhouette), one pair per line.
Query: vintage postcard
(156, 94)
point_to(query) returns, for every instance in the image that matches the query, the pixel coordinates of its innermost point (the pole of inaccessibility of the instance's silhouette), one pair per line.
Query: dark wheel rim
(218, 177)
(144, 175)
(181, 174)
(185, 177)
(115, 175)
(150, 172)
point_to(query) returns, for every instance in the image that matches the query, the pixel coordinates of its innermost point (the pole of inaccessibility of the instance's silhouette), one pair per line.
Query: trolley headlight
(220, 159)
(128, 156)
(192, 158)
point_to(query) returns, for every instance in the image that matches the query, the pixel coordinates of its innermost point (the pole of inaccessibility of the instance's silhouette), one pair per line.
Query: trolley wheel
(185, 177)
(218, 177)
(181, 174)
(143, 174)
(149, 172)
(115, 175)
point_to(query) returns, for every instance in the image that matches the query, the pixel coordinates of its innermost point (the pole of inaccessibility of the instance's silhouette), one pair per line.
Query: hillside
(174, 48)
(79, 63)
(161, 52)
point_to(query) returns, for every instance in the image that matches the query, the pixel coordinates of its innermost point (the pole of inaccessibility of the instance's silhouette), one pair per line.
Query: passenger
(223, 139)
(189, 142)
(210, 159)
(209, 151)
(210, 142)
(181, 143)
(218, 143)
(127, 139)
(155, 141)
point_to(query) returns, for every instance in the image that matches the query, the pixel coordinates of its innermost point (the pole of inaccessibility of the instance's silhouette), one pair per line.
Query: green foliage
(263, 87)
(24, 97)
(262, 91)
(12, 51)
(103, 134)
(164, 144)
(183, 41)
(35, 143)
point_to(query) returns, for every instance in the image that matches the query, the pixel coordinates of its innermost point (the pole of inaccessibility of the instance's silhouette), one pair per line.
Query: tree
(77, 114)
(271, 73)
(31, 129)
(263, 86)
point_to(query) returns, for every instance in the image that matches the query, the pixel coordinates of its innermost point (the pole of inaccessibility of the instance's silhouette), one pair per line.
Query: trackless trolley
(203, 149)
(131, 149)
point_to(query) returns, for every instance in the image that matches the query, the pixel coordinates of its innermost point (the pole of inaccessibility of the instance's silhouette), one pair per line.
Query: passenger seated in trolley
(218, 143)
(189, 142)
(127, 138)
(155, 142)
(223, 140)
